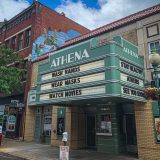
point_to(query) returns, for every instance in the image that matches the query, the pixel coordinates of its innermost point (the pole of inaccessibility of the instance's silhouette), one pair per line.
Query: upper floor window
(155, 45)
(28, 37)
(13, 42)
(20, 41)
(152, 30)
(8, 43)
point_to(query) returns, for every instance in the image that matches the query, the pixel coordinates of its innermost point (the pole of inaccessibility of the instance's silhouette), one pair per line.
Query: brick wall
(41, 18)
(147, 148)
(59, 21)
(29, 124)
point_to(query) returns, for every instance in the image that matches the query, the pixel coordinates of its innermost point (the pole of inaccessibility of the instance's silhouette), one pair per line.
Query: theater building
(89, 90)
(93, 88)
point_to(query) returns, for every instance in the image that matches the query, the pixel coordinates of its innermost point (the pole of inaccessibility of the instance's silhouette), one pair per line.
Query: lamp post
(154, 59)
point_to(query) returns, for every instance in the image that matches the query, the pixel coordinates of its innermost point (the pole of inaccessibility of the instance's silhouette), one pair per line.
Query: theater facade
(90, 90)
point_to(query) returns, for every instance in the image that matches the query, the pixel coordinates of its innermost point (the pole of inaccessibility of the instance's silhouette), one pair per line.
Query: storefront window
(47, 125)
(60, 121)
(60, 126)
(47, 121)
(104, 126)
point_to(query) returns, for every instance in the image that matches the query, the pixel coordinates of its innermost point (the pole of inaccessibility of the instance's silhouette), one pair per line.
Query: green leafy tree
(9, 75)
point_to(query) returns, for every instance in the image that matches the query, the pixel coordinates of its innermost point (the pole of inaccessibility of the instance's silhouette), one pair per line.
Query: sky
(89, 13)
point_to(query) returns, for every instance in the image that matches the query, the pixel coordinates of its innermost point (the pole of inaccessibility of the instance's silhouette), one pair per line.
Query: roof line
(28, 8)
(116, 24)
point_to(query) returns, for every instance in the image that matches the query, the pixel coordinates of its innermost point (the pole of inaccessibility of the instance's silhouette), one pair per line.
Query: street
(4, 156)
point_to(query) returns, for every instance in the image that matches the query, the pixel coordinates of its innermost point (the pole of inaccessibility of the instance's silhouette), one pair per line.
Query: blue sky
(89, 13)
(54, 3)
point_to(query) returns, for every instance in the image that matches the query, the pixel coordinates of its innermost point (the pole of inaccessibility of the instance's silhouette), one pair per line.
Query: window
(47, 121)
(152, 30)
(28, 36)
(13, 42)
(20, 41)
(8, 43)
(104, 124)
(154, 45)
(23, 74)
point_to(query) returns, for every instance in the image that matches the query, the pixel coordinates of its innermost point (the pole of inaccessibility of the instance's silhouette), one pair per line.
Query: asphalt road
(4, 156)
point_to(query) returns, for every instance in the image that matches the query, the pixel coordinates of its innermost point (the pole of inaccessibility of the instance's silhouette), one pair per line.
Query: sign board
(73, 93)
(14, 103)
(75, 69)
(73, 81)
(131, 92)
(2, 109)
(65, 137)
(0, 129)
(64, 152)
(1, 119)
(11, 123)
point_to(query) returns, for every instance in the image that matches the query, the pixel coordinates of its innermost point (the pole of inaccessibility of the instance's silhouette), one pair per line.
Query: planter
(152, 93)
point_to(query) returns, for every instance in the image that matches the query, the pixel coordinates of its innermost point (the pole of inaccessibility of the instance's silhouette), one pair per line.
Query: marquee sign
(75, 69)
(88, 69)
(131, 79)
(73, 93)
(73, 81)
(132, 92)
(70, 57)
(131, 67)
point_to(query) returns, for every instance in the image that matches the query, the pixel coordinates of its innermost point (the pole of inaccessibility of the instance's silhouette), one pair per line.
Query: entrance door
(91, 134)
(131, 139)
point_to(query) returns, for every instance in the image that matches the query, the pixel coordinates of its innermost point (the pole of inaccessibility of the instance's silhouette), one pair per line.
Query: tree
(9, 74)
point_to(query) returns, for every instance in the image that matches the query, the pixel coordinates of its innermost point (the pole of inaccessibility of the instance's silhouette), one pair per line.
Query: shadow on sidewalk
(34, 151)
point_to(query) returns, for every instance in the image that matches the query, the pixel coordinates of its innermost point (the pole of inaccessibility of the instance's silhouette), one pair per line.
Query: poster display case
(104, 125)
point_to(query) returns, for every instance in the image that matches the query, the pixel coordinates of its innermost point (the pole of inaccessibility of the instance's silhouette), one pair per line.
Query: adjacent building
(34, 31)
(93, 88)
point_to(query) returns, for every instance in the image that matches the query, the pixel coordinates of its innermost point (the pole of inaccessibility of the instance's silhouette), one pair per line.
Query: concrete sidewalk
(33, 151)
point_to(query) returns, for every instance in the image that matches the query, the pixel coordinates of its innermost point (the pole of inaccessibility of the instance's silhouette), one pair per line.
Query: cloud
(108, 11)
(10, 8)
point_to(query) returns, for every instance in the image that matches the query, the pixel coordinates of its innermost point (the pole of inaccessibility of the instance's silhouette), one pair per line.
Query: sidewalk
(33, 151)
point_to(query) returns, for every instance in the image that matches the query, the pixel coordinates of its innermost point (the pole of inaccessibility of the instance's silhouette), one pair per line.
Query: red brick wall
(9, 33)
(43, 18)
(59, 22)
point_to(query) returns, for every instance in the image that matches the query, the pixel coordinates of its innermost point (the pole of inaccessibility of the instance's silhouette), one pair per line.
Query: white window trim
(18, 32)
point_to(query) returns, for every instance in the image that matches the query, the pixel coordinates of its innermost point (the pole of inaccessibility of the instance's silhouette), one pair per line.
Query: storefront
(12, 116)
(90, 89)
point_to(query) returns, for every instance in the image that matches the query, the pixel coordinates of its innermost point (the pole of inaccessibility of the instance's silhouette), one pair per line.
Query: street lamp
(154, 59)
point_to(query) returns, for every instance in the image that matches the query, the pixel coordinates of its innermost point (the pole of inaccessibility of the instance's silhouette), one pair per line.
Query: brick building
(20, 33)
(130, 118)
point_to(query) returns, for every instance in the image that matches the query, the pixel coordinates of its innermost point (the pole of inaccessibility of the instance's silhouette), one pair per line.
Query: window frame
(13, 45)
(154, 25)
(149, 46)
(28, 37)
(20, 41)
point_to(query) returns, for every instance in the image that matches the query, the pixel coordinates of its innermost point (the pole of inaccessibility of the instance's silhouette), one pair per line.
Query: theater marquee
(88, 70)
